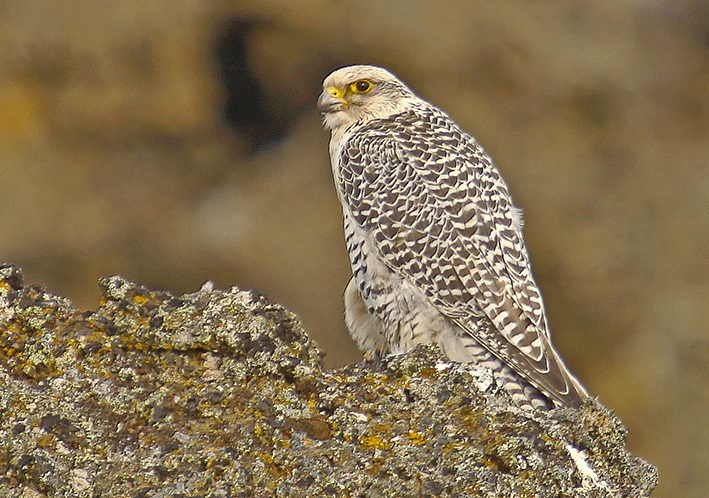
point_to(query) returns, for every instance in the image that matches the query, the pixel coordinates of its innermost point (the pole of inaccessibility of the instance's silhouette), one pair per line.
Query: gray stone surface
(222, 394)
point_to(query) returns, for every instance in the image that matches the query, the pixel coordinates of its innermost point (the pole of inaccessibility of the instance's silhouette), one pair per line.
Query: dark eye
(362, 86)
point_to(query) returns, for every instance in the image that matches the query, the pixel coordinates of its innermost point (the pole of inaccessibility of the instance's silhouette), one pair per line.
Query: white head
(361, 93)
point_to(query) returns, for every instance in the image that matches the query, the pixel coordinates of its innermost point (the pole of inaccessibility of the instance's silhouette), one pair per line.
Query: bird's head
(360, 93)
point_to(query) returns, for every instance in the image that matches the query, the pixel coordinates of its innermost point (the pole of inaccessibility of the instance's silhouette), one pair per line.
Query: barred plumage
(434, 240)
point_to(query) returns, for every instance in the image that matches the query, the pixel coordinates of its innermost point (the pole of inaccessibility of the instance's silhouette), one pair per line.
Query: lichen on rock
(221, 393)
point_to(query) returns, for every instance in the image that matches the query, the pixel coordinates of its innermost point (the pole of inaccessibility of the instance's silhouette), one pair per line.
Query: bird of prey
(434, 240)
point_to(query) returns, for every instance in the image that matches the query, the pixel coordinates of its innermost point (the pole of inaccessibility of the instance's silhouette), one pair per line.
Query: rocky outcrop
(221, 393)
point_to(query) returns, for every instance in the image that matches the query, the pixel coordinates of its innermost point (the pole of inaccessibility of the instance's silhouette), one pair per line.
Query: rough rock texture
(222, 394)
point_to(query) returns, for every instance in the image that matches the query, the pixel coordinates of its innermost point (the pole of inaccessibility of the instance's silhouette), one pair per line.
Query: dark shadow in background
(248, 109)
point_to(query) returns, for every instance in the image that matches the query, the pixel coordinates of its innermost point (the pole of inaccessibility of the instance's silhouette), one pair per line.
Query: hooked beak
(331, 100)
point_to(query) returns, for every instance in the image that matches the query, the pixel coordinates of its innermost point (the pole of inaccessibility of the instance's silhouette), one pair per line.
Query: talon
(373, 355)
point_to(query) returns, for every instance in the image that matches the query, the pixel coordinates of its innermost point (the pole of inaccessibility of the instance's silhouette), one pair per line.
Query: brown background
(175, 141)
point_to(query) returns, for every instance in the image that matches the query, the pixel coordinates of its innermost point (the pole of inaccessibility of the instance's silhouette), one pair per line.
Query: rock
(221, 393)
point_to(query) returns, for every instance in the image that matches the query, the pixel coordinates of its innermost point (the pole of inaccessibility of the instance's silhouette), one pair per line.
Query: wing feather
(443, 217)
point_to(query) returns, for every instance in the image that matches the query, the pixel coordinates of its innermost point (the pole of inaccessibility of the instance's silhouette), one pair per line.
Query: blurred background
(173, 142)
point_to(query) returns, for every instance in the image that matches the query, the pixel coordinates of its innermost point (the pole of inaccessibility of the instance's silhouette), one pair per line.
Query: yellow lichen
(417, 438)
(375, 442)
(141, 300)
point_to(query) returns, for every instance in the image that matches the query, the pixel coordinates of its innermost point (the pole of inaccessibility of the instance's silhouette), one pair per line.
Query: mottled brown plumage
(434, 240)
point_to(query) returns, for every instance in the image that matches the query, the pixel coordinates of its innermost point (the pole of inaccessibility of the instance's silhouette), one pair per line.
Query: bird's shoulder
(421, 124)
(424, 138)
(425, 146)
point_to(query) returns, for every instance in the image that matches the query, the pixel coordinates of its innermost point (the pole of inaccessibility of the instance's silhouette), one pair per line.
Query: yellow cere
(335, 92)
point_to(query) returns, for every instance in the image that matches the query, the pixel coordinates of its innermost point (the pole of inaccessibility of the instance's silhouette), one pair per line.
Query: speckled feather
(437, 252)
